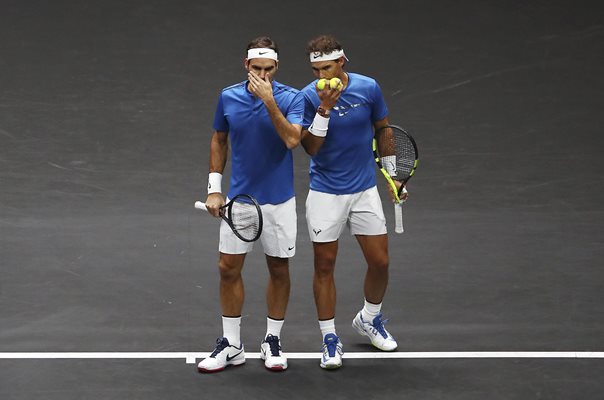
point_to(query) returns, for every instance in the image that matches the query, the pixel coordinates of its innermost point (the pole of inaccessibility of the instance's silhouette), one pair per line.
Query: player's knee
(379, 265)
(325, 268)
(279, 271)
(228, 272)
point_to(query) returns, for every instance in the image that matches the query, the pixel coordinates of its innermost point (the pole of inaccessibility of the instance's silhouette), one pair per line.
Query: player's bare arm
(329, 98)
(263, 89)
(379, 131)
(219, 147)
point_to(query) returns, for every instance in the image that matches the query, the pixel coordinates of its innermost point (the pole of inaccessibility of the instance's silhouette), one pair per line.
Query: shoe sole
(276, 368)
(362, 332)
(330, 367)
(231, 364)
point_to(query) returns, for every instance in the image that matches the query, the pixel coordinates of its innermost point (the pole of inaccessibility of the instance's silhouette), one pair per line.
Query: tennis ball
(321, 83)
(336, 83)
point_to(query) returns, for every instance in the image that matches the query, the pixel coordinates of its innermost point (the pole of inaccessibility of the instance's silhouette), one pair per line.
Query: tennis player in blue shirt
(263, 120)
(338, 130)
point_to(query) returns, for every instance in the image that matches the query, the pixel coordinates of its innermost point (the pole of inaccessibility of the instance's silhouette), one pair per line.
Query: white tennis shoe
(270, 352)
(375, 331)
(223, 355)
(332, 352)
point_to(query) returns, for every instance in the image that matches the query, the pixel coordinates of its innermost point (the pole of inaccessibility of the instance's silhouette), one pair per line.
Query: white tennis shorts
(279, 230)
(327, 214)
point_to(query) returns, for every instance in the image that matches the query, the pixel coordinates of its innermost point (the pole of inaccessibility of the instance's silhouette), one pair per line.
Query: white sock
(370, 311)
(231, 330)
(273, 327)
(327, 326)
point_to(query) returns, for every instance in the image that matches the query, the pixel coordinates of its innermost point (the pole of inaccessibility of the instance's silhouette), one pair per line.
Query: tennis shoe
(375, 331)
(270, 352)
(332, 352)
(223, 355)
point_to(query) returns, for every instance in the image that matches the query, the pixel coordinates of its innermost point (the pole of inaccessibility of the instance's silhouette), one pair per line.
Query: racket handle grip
(398, 218)
(200, 206)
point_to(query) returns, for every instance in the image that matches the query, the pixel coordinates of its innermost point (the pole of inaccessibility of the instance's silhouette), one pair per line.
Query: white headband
(334, 55)
(262, 53)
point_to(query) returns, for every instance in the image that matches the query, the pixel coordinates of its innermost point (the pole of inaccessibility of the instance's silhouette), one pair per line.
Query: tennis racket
(243, 215)
(395, 150)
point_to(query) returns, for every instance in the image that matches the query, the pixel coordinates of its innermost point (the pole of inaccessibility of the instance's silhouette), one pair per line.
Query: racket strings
(394, 141)
(405, 155)
(245, 220)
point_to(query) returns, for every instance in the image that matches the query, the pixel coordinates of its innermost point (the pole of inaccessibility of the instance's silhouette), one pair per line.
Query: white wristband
(389, 164)
(319, 126)
(214, 183)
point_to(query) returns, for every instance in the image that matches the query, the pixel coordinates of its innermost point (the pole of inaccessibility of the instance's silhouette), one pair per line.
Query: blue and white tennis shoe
(375, 331)
(332, 352)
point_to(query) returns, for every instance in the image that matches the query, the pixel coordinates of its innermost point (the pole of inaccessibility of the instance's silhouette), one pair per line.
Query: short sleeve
(220, 122)
(309, 111)
(379, 110)
(295, 113)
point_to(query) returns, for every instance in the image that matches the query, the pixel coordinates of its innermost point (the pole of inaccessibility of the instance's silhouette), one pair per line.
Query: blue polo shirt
(345, 164)
(261, 165)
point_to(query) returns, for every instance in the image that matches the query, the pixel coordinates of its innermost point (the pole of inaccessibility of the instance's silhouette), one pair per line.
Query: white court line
(190, 357)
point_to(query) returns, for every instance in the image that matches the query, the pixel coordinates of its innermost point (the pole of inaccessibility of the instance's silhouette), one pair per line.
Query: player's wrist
(389, 163)
(324, 111)
(319, 125)
(269, 101)
(214, 182)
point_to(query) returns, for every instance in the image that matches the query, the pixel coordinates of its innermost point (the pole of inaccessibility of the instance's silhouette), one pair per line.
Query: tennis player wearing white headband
(262, 136)
(336, 54)
(338, 130)
(262, 53)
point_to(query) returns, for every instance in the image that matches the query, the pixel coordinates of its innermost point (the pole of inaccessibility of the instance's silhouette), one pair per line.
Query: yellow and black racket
(397, 158)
